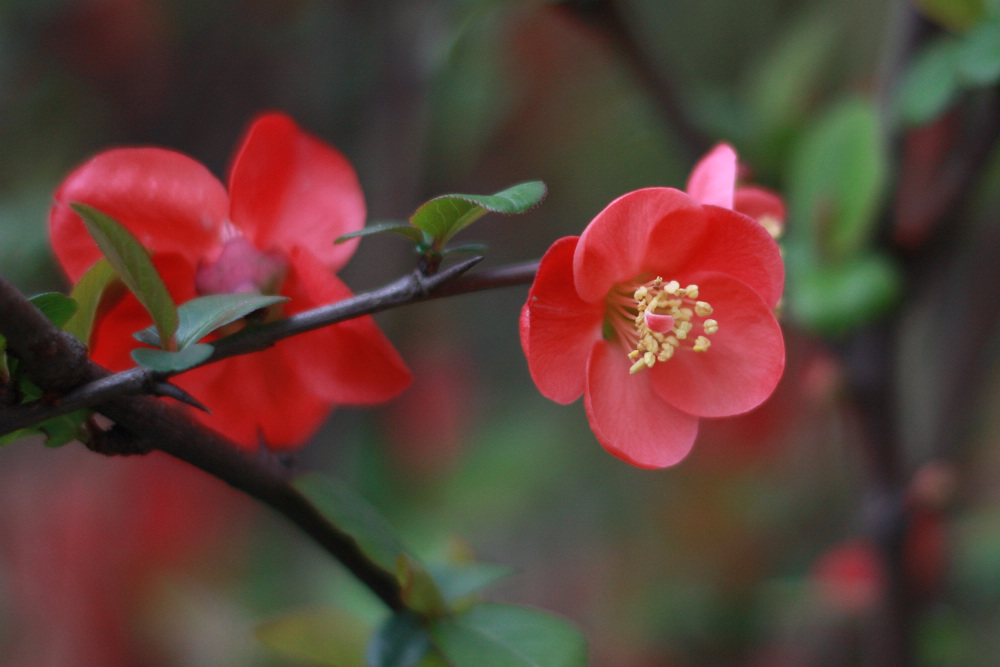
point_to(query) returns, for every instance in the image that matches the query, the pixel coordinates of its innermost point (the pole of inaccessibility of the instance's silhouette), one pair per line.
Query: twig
(408, 289)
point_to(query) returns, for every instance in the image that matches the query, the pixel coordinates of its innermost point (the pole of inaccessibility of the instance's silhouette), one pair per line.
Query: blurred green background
(754, 551)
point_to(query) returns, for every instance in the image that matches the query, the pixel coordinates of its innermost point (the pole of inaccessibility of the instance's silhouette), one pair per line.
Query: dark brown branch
(135, 381)
(56, 361)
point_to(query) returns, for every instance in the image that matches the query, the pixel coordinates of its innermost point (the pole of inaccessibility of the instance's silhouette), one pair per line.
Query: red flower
(659, 314)
(289, 197)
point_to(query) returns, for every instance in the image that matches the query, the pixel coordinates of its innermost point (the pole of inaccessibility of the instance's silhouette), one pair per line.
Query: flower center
(240, 268)
(656, 318)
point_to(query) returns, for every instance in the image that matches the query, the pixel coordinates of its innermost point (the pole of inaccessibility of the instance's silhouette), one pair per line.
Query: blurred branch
(606, 17)
(143, 423)
(56, 361)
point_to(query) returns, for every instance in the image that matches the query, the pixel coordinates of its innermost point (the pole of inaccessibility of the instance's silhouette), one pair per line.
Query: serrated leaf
(134, 267)
(201, 316)
(403, 228)
(354, 515)
(401, 641)
(931, 83)
(497, 635)
(326, 637)
(164, 361)
(445, 216)
(59, 308)
(88, 293)
(836, 179)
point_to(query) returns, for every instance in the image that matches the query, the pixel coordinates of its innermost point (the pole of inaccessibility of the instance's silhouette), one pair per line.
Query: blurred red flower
(289, 197)
(659, 314)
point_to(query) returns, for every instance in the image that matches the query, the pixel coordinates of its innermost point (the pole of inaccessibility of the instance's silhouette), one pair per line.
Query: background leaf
(353, 514)
(324, 637)
(401, 641)
(498, 635)
(443, 217)
(134, 266)
(403, 228)
(836, 179)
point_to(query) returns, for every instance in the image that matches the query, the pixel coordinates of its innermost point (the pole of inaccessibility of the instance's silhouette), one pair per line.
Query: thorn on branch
(164, 388)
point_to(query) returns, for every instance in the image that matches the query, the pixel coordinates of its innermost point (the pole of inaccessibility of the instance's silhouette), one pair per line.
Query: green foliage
(836, 298)
(352, 513)
(955, 15)
(201, 316)
(836, 179)
(58, 431)
(88, 293)
(436, 221)
(498, 635)
(324, 637)
(59, 308)
(401, 640)
(445, 216)
(441, 611)
(134, 266)
(166, 361)
(948, 66)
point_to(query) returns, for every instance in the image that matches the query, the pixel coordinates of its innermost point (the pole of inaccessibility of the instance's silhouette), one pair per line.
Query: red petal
(349, 363)
(289, 189)
(558, 329)
(169, 201)
(714, 177)
(627, 416)
(759, 203)
(112, 340)
(740, 247)
(659, 223)
(256, 396)
(744, 363)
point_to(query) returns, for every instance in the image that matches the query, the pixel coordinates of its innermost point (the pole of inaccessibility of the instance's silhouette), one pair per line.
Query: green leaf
(164, 361)
(497, 635)
(443, 217)
(420, 591)
(134, 267)
(836, 178)
(978, 55)
(14, 436)
(836, 299)
(957, 15)
(88, 294)
(63, 429)
(353, 514)
(401, 641)
(326, 637)
(201, 316)
(403, 228)
(931, 83)
(59, 308)
(458, 582)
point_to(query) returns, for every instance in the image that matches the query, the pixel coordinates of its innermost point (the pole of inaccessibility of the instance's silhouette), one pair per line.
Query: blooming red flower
(289, 197)
(659, 314)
